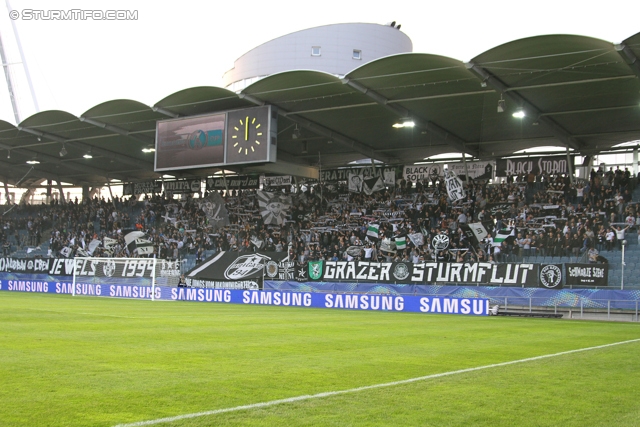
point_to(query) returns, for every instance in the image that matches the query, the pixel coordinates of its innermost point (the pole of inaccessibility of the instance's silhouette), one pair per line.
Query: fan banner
(148, 187)
(215, 209)
(273, 181)
(476, 170)
(551, 165)
(273, 207)
(550, 276)
(587, 274)
(241, 182)
(388, 175)
(91, 267)
(183, 186)
(236, 270)
(510, 274)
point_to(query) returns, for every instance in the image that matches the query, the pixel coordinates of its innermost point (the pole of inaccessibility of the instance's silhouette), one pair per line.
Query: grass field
(68, 361)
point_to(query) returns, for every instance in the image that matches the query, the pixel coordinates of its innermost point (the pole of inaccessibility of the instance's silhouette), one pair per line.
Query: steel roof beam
(404, 113)
(327, 132)
(494, 82)
(52, 159)
(116, 129)
(166, 112)
(629, 57)
(42, 174)
(83, 146)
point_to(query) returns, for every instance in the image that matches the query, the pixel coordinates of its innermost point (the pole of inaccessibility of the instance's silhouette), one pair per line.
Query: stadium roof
(575, 91)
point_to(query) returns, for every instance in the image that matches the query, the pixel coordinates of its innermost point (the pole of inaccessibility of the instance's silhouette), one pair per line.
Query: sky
(77, 64)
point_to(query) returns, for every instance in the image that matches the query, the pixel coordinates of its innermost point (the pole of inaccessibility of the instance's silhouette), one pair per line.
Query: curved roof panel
(575, 91)
(201, 100)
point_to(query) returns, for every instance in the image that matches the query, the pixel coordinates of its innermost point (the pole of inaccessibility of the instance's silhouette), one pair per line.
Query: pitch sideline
(368, 387)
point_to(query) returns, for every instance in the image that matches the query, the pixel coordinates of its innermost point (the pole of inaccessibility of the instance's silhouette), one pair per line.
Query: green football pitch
(82, 361)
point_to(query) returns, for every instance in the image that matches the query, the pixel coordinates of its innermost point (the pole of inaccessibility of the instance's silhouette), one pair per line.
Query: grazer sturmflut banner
(235, 270)
(510, 274)
(587, 274)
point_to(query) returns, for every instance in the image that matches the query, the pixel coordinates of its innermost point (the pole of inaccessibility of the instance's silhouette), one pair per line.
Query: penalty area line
(368, 387)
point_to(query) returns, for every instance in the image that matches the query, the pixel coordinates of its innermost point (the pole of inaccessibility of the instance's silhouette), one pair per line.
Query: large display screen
(190, 142)
(231, 137)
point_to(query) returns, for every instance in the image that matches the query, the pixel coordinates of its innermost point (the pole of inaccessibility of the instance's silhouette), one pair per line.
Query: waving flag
(139, 241)
(273, 207)
(373, 231)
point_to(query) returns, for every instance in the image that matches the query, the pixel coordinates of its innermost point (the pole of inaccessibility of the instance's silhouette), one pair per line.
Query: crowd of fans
(546, 215)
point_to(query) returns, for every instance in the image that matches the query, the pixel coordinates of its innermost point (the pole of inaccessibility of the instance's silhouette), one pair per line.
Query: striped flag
(401, 242)
(503, 235)
(373, 231)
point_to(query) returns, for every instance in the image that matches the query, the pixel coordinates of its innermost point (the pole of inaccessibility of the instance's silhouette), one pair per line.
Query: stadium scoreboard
(232, 137)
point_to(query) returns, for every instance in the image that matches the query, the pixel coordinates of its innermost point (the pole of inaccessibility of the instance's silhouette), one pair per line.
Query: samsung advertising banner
(551, 165)
(344, 301)
(587, 274)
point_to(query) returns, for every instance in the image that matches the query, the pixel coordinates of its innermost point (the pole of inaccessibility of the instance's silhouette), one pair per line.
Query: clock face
(247, 135)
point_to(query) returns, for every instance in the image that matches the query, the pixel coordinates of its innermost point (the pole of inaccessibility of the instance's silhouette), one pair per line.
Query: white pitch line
(368, 387)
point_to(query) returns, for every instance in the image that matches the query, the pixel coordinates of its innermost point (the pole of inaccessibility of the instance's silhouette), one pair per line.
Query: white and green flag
(401, 242)
(373, 231)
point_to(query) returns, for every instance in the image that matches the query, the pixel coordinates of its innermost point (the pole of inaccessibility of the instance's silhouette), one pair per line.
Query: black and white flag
(140, 242)
(454, 186)
(215, 209)
(273, 207)
(477, 231)
(372, 185)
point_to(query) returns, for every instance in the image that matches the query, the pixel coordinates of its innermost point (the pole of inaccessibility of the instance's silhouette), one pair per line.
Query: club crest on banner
(401, 271)
(550, 276)
(271, 269)
(108, 268)
(315, 270)
(245, 266)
